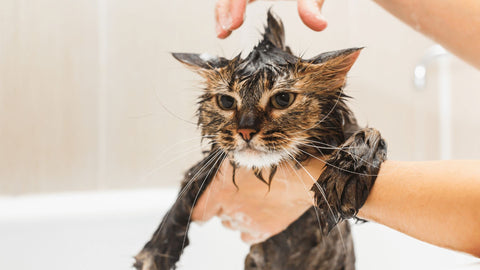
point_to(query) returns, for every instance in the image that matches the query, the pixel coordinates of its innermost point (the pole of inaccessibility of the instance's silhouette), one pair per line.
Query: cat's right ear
(201, 62)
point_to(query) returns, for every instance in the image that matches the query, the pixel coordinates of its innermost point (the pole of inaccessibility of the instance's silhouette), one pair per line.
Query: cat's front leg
(167, 243)
(165, 247)
(349, 175)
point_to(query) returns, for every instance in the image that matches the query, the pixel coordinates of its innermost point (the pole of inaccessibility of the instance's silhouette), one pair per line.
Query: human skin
(253, 209)
(455, 24)
(434, 201)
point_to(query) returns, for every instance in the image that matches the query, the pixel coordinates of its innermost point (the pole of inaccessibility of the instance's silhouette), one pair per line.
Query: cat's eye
(226, 102)
(282, 100)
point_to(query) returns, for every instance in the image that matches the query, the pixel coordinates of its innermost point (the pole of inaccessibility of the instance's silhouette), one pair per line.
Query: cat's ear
(328, 70)
(202, 61)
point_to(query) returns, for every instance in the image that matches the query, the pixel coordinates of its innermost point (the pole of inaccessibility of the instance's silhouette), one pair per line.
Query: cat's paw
(153, 259)
(349, 175)
(144, 260)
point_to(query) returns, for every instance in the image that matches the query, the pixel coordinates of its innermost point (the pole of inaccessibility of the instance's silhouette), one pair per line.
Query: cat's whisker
(159, 100)
(312, 143)
(317, 147)
(309, 195)
(189, 182)
(184, 141)
(314, 182)
(331, 148)
(336, 167)
(326, 145)
(330, 209)
(354, 156)
(156, 169)
(215, 154)
(212, 183)
(163, 152)
(325, 198)
(334, 148)
(192, 179)
(219, 157)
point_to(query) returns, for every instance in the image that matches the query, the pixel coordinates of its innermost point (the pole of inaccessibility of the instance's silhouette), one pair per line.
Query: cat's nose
(247, 133)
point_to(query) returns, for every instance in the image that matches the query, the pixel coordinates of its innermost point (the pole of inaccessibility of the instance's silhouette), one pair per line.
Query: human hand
(254, 210)
(229, 15)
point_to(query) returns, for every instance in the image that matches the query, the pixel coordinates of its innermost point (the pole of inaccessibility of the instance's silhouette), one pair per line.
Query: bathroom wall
(49, 77)
(90, 97)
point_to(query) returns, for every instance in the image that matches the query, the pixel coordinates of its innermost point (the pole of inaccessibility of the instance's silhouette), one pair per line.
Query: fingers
(237, 11)
(309, 11)
(222, 18)
(229, 15)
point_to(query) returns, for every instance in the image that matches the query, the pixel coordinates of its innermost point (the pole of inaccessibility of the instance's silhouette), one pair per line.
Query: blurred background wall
(90, 97)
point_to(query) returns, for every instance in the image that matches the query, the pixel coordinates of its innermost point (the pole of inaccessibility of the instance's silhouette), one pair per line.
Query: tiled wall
(91, 99)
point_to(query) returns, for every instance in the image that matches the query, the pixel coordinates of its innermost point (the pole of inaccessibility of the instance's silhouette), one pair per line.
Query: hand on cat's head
(229, 15)
(257, 212)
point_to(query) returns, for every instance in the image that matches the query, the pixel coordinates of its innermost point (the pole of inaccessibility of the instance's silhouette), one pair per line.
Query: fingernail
(221, 33)
(226, 22)
(320, 17)
(218, 29)
(321, 23)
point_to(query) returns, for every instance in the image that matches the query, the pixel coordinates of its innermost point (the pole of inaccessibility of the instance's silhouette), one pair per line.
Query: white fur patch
(258, 159)
(207, 57)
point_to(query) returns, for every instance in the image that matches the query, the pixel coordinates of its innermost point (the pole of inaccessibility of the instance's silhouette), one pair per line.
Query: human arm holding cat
(454, 24)
(434, 201)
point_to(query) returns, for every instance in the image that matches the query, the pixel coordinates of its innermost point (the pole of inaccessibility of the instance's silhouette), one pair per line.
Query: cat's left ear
(202, 61)
(328, 70)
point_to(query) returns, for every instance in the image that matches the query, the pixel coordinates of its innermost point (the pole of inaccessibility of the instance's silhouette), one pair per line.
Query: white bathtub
(104, 230)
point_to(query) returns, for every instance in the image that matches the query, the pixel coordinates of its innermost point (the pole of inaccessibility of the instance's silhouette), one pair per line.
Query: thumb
(309, 11)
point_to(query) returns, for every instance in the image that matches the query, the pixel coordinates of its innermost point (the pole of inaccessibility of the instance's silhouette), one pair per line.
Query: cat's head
(272, 105)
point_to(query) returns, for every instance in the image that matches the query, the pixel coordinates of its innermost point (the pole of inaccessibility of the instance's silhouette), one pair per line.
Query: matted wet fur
(271, 107)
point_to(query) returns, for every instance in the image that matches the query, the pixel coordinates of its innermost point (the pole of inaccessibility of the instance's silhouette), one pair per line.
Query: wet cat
(267, 108)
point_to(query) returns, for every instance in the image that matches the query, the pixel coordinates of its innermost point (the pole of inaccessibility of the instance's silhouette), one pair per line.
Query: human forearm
(436, 201)
(455, 24)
